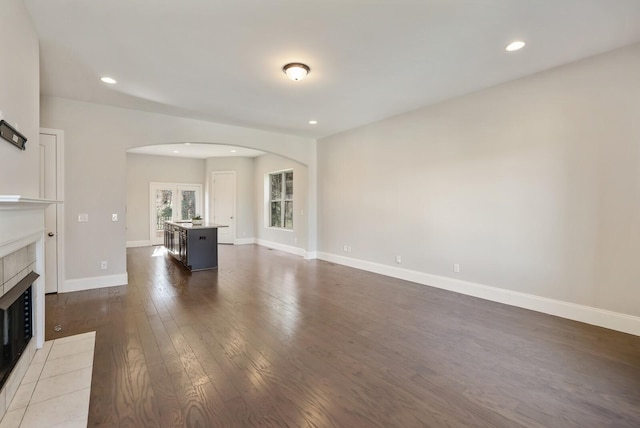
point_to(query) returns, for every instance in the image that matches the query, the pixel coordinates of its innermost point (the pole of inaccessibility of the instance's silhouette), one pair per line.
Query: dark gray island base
(195, 246)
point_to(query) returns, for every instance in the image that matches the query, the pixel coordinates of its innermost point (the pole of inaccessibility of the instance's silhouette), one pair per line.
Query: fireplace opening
(16, 324)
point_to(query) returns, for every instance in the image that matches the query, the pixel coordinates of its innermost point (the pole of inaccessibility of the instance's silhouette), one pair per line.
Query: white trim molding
(282, 247)
(244, 241)
(311, 255)
(10, 246)
(135, 244)
(92, 283)
(60, 238)
(586, 314)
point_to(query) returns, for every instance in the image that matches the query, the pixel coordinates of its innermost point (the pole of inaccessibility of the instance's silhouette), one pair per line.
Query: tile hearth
(56, 388)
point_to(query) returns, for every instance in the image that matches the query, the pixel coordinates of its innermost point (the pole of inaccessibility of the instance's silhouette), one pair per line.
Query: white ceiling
(196, 150)
(221, 60)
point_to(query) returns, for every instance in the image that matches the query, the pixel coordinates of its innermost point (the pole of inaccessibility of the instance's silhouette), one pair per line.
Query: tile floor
(55, 391)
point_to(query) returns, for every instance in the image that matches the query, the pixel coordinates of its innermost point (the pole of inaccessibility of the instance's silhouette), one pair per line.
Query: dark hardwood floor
(272, 340)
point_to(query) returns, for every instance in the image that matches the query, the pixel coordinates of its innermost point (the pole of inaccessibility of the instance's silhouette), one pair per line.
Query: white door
(49, 190)
(172, 202)
(224, 205)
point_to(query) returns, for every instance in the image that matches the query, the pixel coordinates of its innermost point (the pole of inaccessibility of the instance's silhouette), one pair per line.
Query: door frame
(59, 134)
(235, 208)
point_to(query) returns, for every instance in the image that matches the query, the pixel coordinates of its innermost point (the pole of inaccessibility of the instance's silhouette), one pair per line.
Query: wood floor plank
(272, 340)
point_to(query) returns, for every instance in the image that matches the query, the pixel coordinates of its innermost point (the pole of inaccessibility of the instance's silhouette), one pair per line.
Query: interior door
(48, 190)
(224, 205)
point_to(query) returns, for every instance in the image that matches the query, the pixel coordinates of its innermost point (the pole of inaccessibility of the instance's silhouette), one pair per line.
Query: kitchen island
(195, 246)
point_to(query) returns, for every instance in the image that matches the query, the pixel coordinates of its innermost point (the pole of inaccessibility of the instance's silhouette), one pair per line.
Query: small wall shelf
(12, 202)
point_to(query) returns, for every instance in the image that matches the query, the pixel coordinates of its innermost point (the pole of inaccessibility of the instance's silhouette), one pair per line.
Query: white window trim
(267, 200)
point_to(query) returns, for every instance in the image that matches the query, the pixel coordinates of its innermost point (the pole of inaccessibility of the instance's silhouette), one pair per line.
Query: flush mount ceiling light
(109, 80)
(515, 46)
(296, 70)
(313, 122)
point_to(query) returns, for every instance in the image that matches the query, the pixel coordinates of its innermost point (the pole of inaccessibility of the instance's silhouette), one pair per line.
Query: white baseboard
(134, 244)
(81, 284)
(311, 255)
(276, 246)
(586, 314)
(244, 241)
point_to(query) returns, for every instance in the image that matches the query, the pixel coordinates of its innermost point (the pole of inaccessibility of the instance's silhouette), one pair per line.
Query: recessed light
(233, 151)
(176, 151)
(109, 80)
(187, 144)
(515, 46)
(313, 122)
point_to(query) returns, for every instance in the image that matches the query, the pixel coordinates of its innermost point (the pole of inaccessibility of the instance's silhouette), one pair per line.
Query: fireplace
(21, 290)
(16, 324)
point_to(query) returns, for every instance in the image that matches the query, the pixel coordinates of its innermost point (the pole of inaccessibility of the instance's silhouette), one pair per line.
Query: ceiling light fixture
(296, 70)
(515, 46)
(109, 80)
(176, 151)
(233, 151)
(313, 122)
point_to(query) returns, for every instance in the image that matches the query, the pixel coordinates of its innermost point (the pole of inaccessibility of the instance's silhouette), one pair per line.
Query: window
(281, 199)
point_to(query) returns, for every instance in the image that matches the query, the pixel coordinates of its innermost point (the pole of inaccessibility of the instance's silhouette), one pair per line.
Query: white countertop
(189, 225)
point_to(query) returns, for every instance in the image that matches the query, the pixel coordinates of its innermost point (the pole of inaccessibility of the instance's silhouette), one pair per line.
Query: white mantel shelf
(12, 202)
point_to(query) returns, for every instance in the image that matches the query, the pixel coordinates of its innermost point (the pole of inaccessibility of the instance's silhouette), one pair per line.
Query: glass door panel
(172, 202)
(163, 209)
(189, 202)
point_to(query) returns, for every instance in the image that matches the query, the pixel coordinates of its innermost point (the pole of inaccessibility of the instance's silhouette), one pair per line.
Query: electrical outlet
(345, 248)
(114, 217)
(398, 259)
(456, 267)
(83, 218)
(103, 265)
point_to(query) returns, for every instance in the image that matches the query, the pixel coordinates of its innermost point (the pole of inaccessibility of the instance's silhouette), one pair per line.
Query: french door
(172, 202)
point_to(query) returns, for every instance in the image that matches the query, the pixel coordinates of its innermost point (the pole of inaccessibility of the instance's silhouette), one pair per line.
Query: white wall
(19, 99)
(532, 186)
(96, 140)
(143, 169)
(19, 170)
(293, 239)
(244, 212)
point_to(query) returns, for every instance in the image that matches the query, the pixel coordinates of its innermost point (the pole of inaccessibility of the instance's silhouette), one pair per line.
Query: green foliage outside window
(281, 199)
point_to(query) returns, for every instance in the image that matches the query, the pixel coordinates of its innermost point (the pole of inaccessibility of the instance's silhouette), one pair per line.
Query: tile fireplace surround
(22, 251)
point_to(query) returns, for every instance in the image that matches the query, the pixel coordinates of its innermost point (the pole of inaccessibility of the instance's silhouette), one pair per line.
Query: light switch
(114, 217)
(83, 218)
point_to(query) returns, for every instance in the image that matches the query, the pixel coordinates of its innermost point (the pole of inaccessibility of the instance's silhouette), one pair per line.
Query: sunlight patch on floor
(159, 251)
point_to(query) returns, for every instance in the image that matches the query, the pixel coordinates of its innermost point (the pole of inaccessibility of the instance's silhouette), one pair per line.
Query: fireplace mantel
(12, 202)
(21, 221)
